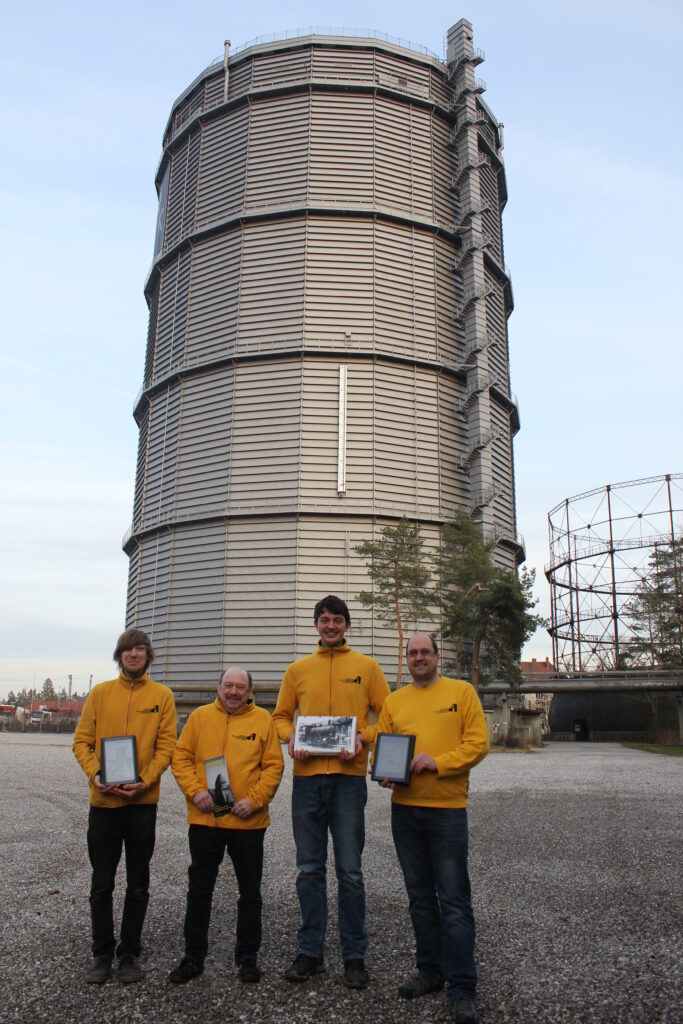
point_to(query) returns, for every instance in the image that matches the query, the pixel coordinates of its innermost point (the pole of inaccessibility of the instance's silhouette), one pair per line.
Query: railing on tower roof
(318, 30)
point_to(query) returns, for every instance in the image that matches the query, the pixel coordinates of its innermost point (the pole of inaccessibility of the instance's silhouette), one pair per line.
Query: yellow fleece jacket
(332, 681)
(248, 741)
(449, 724)
(126, 707)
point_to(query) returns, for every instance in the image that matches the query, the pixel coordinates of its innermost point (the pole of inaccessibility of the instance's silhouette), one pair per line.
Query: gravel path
(576, 872)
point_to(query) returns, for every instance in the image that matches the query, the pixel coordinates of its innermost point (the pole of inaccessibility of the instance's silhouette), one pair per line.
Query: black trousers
(207, 848)
(109, 831)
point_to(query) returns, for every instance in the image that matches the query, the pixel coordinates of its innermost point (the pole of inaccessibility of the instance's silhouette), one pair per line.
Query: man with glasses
(429, 822)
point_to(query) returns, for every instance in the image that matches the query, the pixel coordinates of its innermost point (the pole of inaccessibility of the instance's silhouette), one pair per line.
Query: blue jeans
(337, 803)
(431, 844)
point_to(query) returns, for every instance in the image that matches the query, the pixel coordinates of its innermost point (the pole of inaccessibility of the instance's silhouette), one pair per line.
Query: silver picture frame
(118, 760)
(325, 735)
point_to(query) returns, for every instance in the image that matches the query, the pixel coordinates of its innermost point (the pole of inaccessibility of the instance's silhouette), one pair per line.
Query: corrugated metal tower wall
(327, 345)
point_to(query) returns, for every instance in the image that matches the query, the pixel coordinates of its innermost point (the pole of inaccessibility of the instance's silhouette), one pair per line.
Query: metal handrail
(477, 56)
(249, 348)
(317, 30)
(604, 547)
(267, 506)
(359, 206)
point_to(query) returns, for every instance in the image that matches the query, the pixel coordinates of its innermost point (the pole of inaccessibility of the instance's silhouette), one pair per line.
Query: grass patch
(673, 749)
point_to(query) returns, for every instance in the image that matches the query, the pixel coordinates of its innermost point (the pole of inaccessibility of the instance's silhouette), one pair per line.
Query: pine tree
(401, 576)
(486, 610)
(656, 610)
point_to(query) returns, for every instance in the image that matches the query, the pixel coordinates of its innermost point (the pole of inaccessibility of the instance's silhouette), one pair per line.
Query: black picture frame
(393, 754)
(118, 760)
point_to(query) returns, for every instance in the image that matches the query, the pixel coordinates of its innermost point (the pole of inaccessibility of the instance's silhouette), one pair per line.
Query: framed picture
(325, 734)
(393, 755)
(118, 760)
(218, 785)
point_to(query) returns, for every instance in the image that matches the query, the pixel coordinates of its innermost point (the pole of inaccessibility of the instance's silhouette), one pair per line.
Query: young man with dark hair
(124, 815)
(329, 793)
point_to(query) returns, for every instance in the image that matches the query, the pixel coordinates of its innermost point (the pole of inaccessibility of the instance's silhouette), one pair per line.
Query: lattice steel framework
(600, 547)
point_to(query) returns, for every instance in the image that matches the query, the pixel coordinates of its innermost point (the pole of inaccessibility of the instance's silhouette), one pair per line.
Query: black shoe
(304, 967)
(249, 971)
(419, 986)
(464, 1010)
(129, 969)
(185, 971)
(99, 970)
(355, 975)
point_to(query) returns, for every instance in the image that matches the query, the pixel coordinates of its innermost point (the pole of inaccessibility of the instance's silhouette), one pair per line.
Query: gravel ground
(576, 872)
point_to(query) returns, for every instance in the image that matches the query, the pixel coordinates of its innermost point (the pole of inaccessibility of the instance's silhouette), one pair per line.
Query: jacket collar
(341, 648)
(126, 680)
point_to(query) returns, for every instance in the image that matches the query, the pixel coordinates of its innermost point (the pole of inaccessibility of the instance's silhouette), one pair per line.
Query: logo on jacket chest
(354, 680)
(445, 711)
(149, 711)
(251, 736)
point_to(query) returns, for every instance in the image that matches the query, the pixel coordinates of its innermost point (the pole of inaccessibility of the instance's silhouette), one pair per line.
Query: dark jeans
(336, 802)
(109, 830)
(431, 843)
(207, 847)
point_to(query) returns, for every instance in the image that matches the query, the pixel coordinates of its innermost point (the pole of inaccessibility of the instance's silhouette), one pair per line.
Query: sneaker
(304, 967)
(129, 969)
(185, 971)
(419, 986)
(99, 970)
(355, 975)
(464, 1010)
(249, 971)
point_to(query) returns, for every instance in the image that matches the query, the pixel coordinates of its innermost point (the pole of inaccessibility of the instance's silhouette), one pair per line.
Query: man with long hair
(124, 815)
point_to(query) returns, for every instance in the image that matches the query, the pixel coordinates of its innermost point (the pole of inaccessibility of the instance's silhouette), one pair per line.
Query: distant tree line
(45, 693)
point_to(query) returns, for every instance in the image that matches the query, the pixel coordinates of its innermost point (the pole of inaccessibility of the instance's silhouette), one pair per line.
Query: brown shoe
(420, 986)
(185, 971)
(464, 1010)
(129, 969)
(99, 970)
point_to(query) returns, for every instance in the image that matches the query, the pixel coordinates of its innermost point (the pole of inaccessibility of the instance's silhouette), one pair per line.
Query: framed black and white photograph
(393, 755)
(218, 785)
(118, 760)
(325, 734)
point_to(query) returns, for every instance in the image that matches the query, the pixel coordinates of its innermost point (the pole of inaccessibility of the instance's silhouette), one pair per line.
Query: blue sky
(590, 95)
